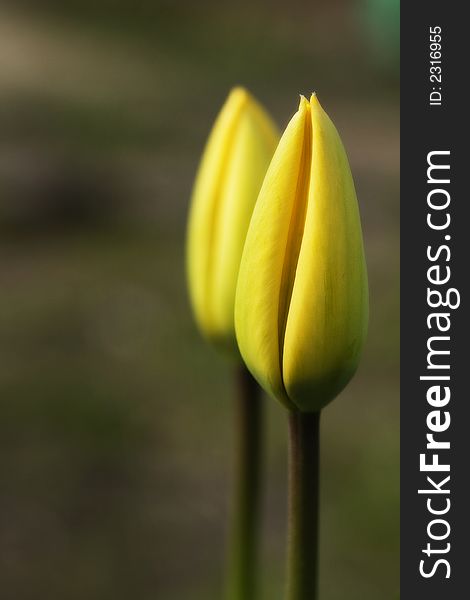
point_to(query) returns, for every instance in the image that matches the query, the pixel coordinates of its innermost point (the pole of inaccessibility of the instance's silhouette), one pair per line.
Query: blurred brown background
(115, 416)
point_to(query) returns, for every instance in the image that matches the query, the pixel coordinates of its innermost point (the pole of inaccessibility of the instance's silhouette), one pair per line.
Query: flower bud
(232, 169)
(301, 306)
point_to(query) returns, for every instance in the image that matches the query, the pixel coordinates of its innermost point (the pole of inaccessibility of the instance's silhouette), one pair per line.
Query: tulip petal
(251, 152)
(301, 304)
(328, 313)
(204, 205)
(232, 169)
(265, 273)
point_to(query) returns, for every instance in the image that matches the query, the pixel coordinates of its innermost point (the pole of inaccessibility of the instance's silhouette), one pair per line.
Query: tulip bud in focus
(234, 163)
(302, 299)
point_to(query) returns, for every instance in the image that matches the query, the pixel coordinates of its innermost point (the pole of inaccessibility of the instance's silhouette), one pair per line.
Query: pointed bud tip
(303, 104)
(239, 94)
(314, 102)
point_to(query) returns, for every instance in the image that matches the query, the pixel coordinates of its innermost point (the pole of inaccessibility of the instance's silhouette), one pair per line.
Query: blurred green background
(115, 418)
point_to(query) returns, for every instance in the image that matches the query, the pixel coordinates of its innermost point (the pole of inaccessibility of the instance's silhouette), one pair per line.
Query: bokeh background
(115, 416)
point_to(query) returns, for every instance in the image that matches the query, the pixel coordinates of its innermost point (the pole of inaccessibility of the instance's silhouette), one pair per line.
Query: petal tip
(314, 102)
(239, 94)
(303, 103)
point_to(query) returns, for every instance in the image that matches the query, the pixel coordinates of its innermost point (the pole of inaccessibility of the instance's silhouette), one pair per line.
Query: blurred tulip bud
(301, 306)
(233, 166)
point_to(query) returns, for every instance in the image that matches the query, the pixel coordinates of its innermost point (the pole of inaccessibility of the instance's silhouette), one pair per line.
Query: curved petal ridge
(239, 99)
(295, 234)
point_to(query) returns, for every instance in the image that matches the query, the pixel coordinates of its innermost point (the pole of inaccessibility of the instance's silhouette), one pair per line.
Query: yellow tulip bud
(301, 305)
(232, 169)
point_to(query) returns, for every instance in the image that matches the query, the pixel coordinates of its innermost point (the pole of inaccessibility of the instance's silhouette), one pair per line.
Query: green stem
(243, 548)
(302, 550)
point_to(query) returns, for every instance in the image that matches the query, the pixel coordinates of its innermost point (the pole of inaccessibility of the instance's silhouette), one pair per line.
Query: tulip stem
(243, 543)
(302, 549)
